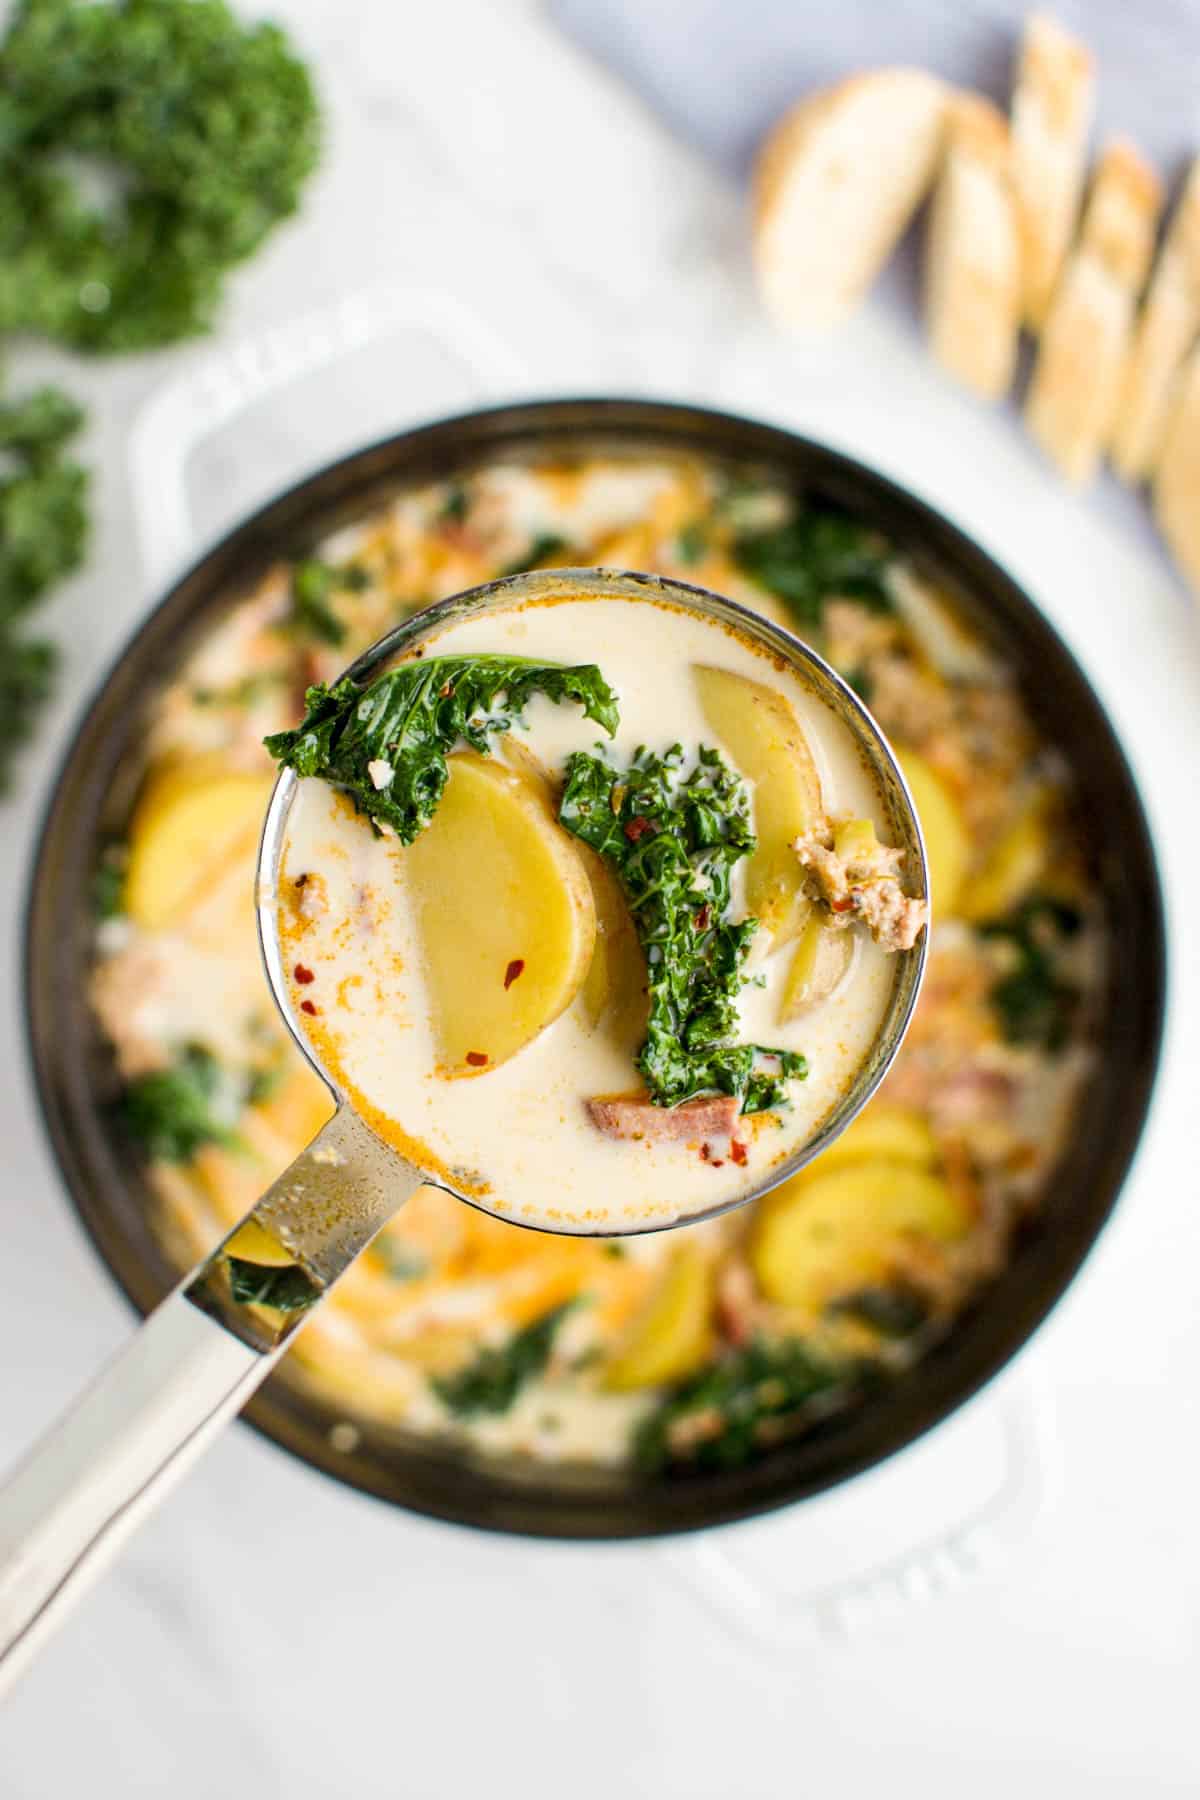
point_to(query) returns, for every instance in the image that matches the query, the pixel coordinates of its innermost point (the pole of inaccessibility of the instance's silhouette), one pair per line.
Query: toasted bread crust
(1169, 324)
(1051, 117)
(1177, 481)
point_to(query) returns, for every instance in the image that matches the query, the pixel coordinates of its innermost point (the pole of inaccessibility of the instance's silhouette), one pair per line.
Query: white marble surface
(270, 1633)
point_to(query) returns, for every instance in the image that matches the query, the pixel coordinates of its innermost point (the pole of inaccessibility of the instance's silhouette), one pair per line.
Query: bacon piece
(635, 1116)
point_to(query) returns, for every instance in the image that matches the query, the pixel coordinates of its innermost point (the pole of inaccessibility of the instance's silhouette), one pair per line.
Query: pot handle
(212, 392)
(780, 1584)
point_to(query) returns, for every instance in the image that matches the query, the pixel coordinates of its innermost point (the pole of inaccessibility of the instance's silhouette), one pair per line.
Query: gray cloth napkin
(720, 71)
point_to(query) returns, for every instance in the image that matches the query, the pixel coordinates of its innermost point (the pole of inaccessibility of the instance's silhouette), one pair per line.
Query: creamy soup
(544, 1135)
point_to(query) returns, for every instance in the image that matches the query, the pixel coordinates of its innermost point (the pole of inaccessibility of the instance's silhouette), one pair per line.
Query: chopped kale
(265, 1080)
(43, 533)
(734, 1409)
(108, 882)
(172, 1112)
(860, 680)
(546, 547)
(242, 693)
(817, 555)
(894, 1312)
(284, 1286)
(411, 718)
(206, 129)
(314, 584)
(1035, 1005)
(674, 840)
(456, 507)
(492, 1382)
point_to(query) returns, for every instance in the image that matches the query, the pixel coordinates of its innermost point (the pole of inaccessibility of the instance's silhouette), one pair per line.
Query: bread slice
(1177, 478)
(835, 184)
(1051, 117)
(973, 253)
(1076, 382)
(1168, 326)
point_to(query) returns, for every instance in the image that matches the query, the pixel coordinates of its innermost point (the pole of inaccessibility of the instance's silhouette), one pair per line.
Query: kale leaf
(411, 718)
(674, 840)
(43, 533)
(737, 1407)
(492, 1382)
(207, 129)
(546, 547)
(1036, 1006)
(314, 584)
(817, 555)
(285, 1286)
(171, 1111)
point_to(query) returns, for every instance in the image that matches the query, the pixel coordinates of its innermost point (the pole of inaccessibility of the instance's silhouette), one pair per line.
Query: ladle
(199, 1356)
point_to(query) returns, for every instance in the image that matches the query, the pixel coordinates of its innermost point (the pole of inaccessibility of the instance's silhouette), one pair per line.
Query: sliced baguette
(1177, 479)
(972, 251)
(1051, 116)
(1076, 382)
(835, 184)
(1168, 326)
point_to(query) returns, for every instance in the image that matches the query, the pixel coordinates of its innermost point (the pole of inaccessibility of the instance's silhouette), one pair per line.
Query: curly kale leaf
(204, 131)
(174, 1111)
(674, 840)
(43, 534)
(286, 1287)
(738, 1407)
(492, 1382)
(818, 555)
(314, 583)
(406, 722)
(1035, 1004)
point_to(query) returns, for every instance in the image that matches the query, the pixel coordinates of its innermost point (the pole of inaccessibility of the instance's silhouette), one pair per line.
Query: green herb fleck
(108, 882)
(171, 1111)
(244, 693)
(731, 1411)
(1034, 1004)
(692, 542)
(816, 556)
(674, 841)
(43, 533)
(492, 1382)
(456, 506)
(285, 1287)
(544, 548)
(894, 1312)
(412, 717)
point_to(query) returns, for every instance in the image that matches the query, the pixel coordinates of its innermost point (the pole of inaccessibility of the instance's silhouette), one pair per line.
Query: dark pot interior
(76, 1082)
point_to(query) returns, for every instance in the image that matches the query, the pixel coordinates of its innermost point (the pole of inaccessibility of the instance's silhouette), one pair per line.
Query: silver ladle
(193, 1364)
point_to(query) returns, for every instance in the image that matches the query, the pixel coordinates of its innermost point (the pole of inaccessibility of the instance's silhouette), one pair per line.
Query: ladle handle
(69, 1507)
(84, 1488)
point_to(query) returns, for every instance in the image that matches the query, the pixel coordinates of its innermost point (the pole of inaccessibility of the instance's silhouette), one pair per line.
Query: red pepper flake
(843, 906)
(302, 881)
(703, 917)
(420, 650)
(303, 975)
(705, 1153)
(476, 1058)
(637, 828)
(516, 967)
(308, 1007)
(717, 1162)
(738, 1152)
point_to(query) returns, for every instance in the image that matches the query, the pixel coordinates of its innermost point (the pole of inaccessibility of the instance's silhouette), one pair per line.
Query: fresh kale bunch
(492, 1382)
(819, 554)
(43, 533)
(386, 744)
(734, 1409)
(209, 127)
(674, 841)
(284, 1286)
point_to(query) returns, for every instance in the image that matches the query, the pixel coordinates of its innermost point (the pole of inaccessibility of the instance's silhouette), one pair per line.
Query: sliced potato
(505, 912)
(762, 733)
(1014, 864)
(672, 1334)
(830, 1232)
(254, 1243)
(189, 823)
(898, 1133)
(615, 990)
(947, 845)
(819, 963)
